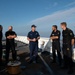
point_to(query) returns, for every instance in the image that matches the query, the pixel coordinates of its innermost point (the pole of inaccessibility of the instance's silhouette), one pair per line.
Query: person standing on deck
(68, 42)
(74, 42)
(33, 37)
(10, 43)
(1, 35)
(55, 37)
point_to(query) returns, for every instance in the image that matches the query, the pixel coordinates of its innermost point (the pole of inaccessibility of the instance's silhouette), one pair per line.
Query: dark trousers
(33, 51)
(68, 62)
(56, 46)
(0, 51)
(11, 46)
(67, 53)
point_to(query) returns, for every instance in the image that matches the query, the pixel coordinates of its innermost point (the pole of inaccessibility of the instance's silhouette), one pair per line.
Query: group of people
(33, 37)
(10, 44)
(67, 43)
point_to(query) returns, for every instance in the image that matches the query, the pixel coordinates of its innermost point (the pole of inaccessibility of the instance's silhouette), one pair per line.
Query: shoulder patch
(58, 33)
(70, 33)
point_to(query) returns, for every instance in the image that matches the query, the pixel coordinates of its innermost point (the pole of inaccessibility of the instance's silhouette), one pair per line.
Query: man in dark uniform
(1, 35)
(68, 42)
(55, 37)
(10, 43)
(33, 37)
(74, 41)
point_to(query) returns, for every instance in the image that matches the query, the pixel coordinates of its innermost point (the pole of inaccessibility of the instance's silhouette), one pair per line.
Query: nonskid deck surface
(43, 67)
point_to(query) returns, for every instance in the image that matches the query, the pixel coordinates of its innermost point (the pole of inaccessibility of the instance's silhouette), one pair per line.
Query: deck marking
(49, 69)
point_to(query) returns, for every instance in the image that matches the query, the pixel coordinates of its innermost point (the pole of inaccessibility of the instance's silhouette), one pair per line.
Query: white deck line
(47, 66)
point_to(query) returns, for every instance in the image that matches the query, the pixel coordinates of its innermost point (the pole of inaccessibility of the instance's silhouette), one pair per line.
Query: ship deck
(43, 67)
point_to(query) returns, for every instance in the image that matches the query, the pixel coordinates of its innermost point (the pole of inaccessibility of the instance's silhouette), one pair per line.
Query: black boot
(70, 71)
(54, 61)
